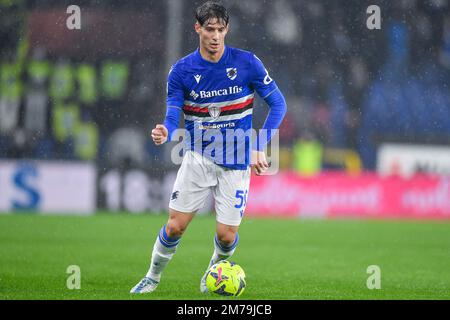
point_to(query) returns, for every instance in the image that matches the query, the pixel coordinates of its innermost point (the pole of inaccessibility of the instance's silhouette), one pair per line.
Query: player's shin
(163, 251)
(223, 251)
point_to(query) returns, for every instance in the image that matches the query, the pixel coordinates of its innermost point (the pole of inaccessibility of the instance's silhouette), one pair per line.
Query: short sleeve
(175, 88)
(261, 80)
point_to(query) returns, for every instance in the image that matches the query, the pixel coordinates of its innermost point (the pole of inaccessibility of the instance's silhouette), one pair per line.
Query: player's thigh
(230, 196)
(192, 185)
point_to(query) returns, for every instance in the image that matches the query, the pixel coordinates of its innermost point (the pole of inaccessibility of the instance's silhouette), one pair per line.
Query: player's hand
(160, 134)
(259, 162)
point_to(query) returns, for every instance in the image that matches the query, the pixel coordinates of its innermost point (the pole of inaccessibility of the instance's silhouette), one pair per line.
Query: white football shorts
(198, 176)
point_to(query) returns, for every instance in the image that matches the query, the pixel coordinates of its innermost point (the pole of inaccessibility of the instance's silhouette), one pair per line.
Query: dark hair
(209, 10)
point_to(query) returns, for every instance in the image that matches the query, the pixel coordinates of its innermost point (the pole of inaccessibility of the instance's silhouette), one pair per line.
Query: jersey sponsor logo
(214, 111)
(221, 92)
(232, 73)
(198, 78)
(216, 126)
(267, 78)
(219, 104)
(194, 95)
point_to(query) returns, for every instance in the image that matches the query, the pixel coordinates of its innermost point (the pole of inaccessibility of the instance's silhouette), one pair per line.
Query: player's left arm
(266, 88)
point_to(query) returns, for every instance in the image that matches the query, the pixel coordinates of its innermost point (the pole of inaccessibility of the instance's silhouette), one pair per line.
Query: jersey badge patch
(232, 73)
(214, 111)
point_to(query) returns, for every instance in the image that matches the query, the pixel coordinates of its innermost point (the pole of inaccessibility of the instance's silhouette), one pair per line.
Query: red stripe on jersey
(227, 108)
(237, 106)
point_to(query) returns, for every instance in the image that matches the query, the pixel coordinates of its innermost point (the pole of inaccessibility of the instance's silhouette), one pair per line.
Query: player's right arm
(175, 100)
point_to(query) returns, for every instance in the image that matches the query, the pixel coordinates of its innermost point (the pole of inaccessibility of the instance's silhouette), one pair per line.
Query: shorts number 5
(242, 197)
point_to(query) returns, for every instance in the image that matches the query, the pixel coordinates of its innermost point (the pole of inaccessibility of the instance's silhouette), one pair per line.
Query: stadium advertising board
(407, 160)
(48, 187)
(339, 195)
(138, 191)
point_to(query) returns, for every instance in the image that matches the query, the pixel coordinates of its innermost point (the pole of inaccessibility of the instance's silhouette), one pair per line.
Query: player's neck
(212, 57)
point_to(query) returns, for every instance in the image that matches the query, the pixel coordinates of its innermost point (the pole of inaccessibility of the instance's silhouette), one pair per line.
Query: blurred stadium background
(367, 134)
(360, 102)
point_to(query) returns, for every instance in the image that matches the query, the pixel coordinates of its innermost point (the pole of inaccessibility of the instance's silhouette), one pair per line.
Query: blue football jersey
(217, 102)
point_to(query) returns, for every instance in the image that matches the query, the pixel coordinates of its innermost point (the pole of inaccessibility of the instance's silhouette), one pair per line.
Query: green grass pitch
(283, 258)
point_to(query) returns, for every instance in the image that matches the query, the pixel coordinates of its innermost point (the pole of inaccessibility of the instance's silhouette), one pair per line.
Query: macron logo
(197, 78)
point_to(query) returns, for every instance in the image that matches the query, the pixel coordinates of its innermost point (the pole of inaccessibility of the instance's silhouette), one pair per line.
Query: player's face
(212, 35)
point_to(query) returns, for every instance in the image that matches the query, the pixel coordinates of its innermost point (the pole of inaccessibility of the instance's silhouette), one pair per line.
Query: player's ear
(197, 27)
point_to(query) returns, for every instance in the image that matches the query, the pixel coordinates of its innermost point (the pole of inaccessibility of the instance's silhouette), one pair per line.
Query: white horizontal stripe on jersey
(220, 118)
(218, 104)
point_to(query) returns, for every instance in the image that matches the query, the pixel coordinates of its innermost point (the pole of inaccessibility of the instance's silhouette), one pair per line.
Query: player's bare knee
(175, 229)
(227, 238)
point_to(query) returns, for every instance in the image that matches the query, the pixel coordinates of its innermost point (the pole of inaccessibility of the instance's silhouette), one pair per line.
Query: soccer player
(214, 88)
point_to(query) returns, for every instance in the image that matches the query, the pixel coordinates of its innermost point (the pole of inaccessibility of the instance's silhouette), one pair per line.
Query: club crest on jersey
(214, 111)
(232, 73)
